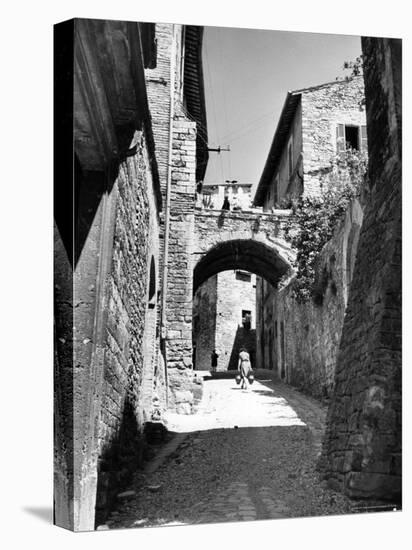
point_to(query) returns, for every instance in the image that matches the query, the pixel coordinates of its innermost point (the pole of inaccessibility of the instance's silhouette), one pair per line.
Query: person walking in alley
(214, 357)
(244, 367)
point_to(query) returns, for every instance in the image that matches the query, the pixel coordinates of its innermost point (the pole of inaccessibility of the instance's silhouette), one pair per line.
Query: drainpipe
(163, 324)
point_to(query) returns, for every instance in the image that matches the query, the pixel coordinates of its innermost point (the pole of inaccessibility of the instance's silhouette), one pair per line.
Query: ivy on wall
(316, 217)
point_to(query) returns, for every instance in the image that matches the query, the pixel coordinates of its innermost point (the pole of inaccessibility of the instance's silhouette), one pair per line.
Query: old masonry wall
(363, 443)
(300, 341)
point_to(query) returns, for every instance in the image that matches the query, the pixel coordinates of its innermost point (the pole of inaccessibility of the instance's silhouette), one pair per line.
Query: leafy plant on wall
(316, 217)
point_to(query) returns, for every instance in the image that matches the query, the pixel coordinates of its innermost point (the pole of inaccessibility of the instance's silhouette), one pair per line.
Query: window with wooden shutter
(340, 138)
(364, 139)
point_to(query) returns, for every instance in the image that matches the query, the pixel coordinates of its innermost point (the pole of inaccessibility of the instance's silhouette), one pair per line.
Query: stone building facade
(177, 104)
(363, 444)
(300, 341)
(106, 280)
(133, 138)
(224, 319)
(315, 124)
(217, 316)
(131, 248)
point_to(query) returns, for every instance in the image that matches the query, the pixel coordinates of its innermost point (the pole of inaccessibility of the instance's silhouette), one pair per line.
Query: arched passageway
(224, 299)
(263, 259)
(225, 281)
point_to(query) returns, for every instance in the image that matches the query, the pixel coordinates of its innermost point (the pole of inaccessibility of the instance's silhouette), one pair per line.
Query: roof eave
(283, 127)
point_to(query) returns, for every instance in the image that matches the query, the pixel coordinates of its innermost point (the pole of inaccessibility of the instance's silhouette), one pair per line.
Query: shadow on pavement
(44, 513)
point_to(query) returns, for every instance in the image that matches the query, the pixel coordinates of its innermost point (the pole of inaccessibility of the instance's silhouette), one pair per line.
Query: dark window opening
(246, 319)
(352, 137)
(243, 276)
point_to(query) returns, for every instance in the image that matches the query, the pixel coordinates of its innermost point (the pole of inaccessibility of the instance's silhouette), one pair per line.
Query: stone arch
(260, 256)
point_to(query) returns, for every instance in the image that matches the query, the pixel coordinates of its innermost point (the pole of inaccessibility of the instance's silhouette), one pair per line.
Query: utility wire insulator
(218, 149)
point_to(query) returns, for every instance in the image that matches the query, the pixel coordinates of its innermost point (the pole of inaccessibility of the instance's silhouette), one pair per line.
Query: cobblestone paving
(246, 455)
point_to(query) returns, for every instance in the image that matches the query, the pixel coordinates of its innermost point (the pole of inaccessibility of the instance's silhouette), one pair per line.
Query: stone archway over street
(250, 241)
(219, 240)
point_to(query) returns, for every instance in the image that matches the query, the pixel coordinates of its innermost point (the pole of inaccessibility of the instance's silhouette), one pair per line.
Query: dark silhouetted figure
(226, 204)
(214, 356)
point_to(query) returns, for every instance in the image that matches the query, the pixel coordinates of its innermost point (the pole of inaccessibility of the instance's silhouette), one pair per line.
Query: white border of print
(26, 272)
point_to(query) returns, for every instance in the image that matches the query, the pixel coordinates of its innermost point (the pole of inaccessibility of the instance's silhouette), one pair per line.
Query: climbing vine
(315, 217)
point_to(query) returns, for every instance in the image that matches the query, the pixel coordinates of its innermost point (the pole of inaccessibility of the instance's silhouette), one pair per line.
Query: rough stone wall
(130, 335)
(159, 94)
(233, 296)
(266, 326)
(322, 109)
(180, 266)
(301, 341)
(165, 89)
(107, 312)
(362, 447)
(215, 226)
(158, 83)
(204, 323)
(217, 313)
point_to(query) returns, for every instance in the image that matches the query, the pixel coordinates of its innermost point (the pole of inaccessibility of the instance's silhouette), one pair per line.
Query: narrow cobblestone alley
(246, 455)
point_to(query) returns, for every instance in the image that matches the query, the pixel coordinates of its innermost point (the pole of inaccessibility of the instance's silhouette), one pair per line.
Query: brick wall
(362, 448)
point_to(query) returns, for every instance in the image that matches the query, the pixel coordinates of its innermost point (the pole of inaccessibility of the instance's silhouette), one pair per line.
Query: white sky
(247, 74)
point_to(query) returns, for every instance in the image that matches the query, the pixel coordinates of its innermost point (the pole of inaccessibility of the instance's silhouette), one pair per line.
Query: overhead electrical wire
(232, 133)
(224, 97)
(213, 97)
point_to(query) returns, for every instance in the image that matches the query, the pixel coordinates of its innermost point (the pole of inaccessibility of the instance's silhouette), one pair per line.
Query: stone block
(373, 485)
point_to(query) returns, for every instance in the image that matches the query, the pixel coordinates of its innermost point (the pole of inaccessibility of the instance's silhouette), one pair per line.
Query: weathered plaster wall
(278, 192)
(63, 384)
(362, 447)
